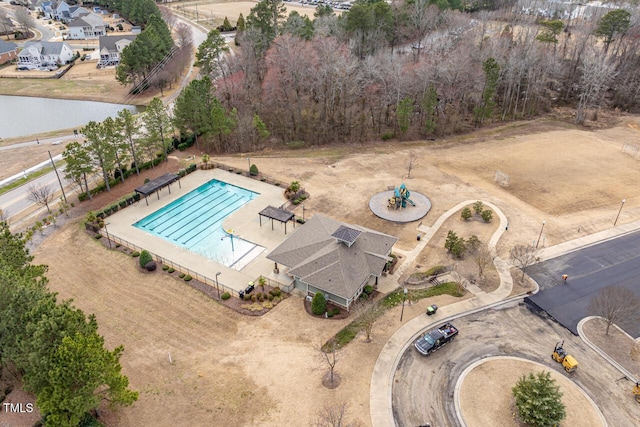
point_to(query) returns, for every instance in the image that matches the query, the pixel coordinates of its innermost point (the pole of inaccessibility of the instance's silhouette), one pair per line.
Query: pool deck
(245, 222)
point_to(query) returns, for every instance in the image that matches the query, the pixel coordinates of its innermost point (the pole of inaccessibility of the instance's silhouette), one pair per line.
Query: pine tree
(539, 400)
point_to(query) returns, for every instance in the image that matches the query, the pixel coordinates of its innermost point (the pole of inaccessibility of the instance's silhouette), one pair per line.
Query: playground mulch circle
(379, 205)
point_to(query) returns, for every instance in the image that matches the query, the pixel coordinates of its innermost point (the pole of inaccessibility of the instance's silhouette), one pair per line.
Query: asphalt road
(614, 262)
(423, 386)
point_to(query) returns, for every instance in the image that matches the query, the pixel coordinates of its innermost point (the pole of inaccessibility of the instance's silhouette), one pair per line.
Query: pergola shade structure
(158, 184)
(278, 214)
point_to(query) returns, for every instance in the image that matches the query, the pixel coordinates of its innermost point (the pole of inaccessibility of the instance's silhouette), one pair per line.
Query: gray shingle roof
(46, 48)
(109, 42)
(91, 20)
(346, 234)
(7, 46)
(317, 257)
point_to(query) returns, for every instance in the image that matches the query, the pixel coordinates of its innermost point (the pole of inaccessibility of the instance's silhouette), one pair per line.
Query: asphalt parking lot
(614, 262)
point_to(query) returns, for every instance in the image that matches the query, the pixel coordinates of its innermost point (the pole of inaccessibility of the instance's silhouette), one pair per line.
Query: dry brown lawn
(499, 376)
(234, 370)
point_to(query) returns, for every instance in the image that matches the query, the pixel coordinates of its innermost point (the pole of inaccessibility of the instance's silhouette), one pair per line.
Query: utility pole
(58, 176)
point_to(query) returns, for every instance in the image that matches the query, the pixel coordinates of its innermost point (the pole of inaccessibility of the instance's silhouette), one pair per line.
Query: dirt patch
(230, 369)
(617, 345)
(500, 376)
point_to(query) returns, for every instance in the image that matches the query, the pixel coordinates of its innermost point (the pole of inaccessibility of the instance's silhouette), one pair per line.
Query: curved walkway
(381, 387)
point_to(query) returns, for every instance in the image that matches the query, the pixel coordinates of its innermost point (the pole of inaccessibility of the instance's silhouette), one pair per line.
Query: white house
(55, 10)
(111, 47)
(39, 54)
(87, 27)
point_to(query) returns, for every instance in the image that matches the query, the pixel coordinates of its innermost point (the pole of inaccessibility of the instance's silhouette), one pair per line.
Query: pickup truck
(436, 338)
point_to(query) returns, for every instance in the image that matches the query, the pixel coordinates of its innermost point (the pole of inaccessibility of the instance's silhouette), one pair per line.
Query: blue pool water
(194, 221)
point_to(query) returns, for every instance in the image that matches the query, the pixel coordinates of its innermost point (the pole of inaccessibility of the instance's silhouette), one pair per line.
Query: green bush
(259, 295)
(335, 311)
(434, 271)
(466, 213)
(182, 146)
(171, 270)
(246, 297)
(135, 254)
(98, 236)
(165, 267)
(225, 296)
(181, 275)
(318, 304)
(295, 145)
(270, 297)
(330, 314)
(487, 215)
(253, 170)
(187, 278)
(368, 289)
(145, 257)
(254, 298)
(146, 180)
(276, 291)
(478, 206)
(387, 136)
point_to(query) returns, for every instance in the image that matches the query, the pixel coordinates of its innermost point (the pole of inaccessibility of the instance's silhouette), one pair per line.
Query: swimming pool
(194, 221)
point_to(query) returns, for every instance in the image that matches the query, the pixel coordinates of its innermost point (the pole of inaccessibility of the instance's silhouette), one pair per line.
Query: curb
(456, 392)
(597, 349)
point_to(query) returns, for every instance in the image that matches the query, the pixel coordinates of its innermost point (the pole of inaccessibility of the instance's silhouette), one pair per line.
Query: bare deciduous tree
(6, 25)
(40, 195)
(597, 74)
(616, 304)
(481, 256)
(411, 162)
(168, 16)
(184, 36)
(24, 20)
(330, 356)
(334, 415)
(522, 256)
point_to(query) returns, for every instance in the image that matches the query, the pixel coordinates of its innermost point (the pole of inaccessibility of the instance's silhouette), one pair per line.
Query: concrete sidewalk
(381, 387)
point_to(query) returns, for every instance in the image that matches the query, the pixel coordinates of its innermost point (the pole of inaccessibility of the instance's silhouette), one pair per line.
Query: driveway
(613, 262)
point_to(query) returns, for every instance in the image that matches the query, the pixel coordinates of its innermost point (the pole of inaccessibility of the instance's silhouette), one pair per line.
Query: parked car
(56, 143)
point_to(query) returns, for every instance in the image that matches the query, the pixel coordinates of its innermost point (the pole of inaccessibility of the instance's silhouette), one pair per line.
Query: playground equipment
(400, 198)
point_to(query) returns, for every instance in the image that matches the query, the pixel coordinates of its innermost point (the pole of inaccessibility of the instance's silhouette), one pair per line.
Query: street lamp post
(404, 298)
(618, 216)
(217, 284)
(302, 211)
(540, 235)
(107, 232)
(249, 162)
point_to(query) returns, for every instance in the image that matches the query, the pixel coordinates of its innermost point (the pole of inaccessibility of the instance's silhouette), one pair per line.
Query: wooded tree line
(53, 347)
(118, 147)
(412, 69)
(137, 12)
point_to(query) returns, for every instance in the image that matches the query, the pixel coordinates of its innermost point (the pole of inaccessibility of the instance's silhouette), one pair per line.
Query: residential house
(39, 54)
(87, 27)
(55, 10)
(337, 259)
(111, 47)
(8, 51)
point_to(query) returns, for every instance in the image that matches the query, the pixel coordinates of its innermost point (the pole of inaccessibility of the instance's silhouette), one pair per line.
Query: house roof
(91, 20)
(317, 255)
(7, 46)
(45, 48)
(109, 42)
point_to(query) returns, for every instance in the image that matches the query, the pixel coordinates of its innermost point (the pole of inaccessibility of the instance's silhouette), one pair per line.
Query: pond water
(24, 115)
